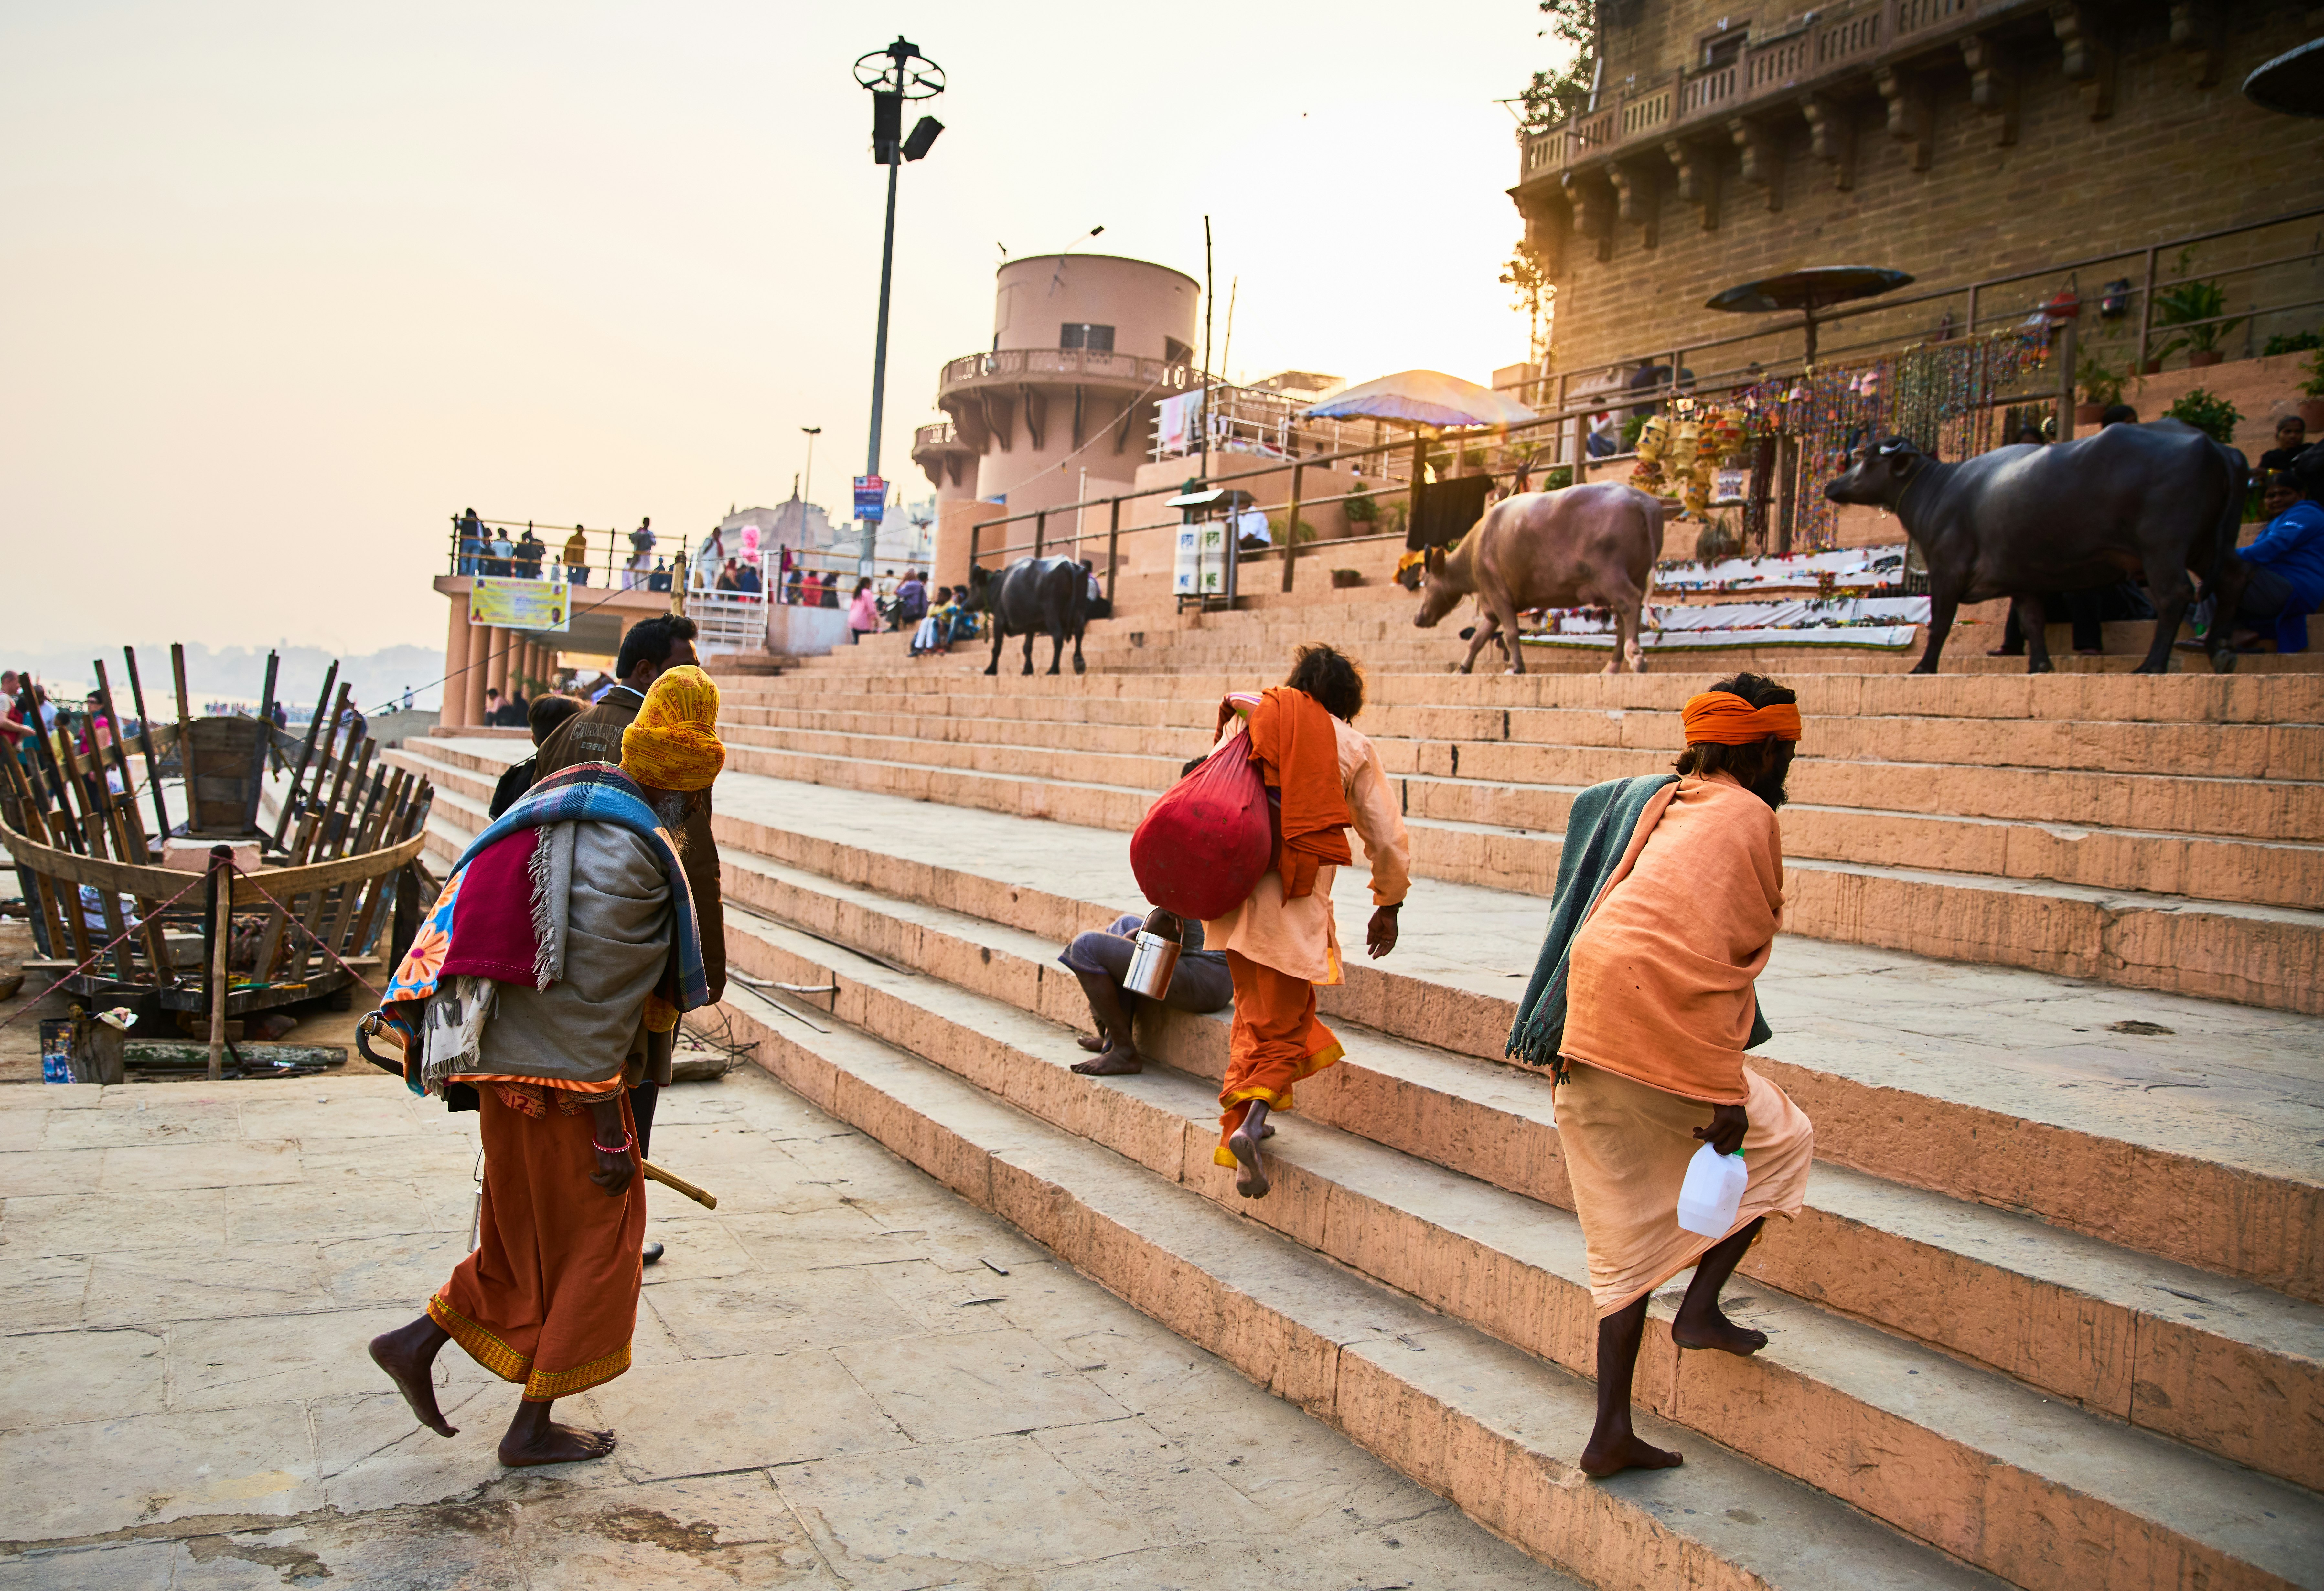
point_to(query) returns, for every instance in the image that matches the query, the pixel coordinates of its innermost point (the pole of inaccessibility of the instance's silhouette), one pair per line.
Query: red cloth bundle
(1203, 846)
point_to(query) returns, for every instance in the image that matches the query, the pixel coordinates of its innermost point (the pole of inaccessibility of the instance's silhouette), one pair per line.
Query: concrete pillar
(954, 521)
(480, 664)
(455, 712)
(496, 671)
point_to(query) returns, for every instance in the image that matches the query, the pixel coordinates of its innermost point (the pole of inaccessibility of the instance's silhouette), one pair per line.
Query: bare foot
(1599, 1461)
(554, 1444)
(1251, 1168)
(1715, 1331)
(1094, 1042)
(408, 1355)
(1121, 1060)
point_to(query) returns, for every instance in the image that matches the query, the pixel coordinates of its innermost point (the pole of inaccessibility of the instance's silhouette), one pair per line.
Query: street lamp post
(894, 75)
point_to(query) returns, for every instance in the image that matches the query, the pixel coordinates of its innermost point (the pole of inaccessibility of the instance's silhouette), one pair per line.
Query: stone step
(2117, 1333)
(2201, 751)
(2260, 955)
(2124, 698)
(1492, 1428)
(2249, 833)
(2192, 1140)
(1959, 1458)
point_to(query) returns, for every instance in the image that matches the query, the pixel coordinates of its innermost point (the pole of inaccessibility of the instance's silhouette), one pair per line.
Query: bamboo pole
(221, 939)
(306, 754)
(145, 744)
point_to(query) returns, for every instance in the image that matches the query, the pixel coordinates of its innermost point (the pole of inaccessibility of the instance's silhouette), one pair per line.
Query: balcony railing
(1067, 366)
(1829, 43)
(936, 438)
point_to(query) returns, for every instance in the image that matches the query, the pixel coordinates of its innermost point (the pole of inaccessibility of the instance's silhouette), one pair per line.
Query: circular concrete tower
(1083, 346)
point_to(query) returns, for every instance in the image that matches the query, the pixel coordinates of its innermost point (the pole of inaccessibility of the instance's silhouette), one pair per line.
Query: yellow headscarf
(674, 743)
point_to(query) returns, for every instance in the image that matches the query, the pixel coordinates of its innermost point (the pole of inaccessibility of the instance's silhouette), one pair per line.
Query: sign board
(519, 604)
(870, 497)
(1203, 565)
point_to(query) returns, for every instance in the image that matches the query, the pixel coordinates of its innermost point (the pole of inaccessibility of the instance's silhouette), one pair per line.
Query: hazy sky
(283, 286)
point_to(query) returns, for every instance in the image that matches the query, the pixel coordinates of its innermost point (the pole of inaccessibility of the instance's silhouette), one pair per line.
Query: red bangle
(620, 1148)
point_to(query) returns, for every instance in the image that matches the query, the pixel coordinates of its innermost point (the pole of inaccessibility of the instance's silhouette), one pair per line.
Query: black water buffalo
(1037, 596)
(2158, 500)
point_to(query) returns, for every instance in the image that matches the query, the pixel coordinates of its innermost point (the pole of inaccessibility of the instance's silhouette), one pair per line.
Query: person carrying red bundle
(1282, 942)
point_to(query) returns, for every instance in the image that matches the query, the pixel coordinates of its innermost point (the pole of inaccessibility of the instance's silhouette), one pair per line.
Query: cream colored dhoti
(1627, 1146)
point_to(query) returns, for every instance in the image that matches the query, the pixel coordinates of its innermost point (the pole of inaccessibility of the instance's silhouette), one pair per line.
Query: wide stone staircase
(2053, 1316)
(2162, 833)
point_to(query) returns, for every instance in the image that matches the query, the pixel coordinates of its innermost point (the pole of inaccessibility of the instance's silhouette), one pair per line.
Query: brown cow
(1591, 545)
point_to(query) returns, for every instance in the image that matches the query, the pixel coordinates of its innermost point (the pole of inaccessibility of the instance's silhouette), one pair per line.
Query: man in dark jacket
(594, 735)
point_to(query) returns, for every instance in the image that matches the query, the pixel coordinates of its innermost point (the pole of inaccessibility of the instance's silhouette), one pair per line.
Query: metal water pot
(1156, 957)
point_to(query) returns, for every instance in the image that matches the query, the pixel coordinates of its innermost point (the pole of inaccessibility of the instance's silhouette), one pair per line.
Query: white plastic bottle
(1712, 1192)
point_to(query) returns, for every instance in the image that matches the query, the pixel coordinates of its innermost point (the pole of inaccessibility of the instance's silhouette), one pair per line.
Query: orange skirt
(1277, 1041)
(1627, 1147)
(550, 1298)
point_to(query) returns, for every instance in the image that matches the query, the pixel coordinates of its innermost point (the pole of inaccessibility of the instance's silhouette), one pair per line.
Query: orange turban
(1725, 719)
(674, 744)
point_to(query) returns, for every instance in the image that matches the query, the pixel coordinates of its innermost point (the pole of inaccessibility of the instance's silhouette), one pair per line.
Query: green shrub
(2216, 417)
(1362, 508)
(2294, 342)
(2183, 302)
(1630, 429)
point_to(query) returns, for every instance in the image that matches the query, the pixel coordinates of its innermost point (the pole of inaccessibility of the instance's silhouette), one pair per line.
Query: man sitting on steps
(1282, 942)
(1669, 893)
(1101, 962)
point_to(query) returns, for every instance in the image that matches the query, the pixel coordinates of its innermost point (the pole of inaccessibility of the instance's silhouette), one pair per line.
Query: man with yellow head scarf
(652, 648)
(557, 957)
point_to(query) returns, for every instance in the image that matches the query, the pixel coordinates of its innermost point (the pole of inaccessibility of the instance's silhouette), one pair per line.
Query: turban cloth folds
(674, 745)
(1725, 719)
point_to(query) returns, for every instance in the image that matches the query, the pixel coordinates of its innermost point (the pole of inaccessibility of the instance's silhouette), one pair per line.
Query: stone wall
(2172, 159)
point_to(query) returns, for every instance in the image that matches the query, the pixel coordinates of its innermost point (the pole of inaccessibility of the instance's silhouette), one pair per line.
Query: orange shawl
(1297, 751)
(1659, 987)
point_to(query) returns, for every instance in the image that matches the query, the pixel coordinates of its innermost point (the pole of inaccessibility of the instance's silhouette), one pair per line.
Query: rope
(200, 878)
(310, 932)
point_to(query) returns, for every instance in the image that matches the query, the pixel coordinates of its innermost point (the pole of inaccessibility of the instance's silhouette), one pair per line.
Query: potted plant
(1362, 511)
(2200, 306)
(2101, 389)
(2214, 417)
(2311, 394)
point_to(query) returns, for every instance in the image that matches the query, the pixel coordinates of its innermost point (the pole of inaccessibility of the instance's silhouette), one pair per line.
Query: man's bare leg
(1700, 1322)
(1250, 1167)
(1614, 1447)
(533, 1437)
(1112, 1009)
(408, 1355)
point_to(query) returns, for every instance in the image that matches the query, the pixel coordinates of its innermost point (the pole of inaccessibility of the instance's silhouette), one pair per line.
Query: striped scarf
(588, 793)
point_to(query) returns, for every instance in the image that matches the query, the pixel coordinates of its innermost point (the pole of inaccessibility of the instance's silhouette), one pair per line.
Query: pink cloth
(496, 939)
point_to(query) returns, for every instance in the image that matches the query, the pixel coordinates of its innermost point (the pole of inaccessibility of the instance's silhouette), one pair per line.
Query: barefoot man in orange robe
(1282, 942)
(564, 937)
(1670, 891)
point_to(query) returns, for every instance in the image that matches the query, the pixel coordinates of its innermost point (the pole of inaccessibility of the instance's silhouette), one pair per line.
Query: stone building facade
(1957, 140)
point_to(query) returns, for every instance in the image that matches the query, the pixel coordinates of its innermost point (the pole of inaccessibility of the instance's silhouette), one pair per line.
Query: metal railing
(1066, 365)
(1263, 421)
(585, 557)
(1970, 309)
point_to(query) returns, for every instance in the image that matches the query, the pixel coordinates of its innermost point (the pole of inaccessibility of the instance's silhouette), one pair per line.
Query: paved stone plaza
(845, 1377)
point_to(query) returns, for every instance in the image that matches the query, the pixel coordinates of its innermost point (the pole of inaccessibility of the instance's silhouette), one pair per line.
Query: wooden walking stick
(655, 1173)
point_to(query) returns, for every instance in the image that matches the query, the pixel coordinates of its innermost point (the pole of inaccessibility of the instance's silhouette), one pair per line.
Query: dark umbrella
(2292, 83)
(1819, 286)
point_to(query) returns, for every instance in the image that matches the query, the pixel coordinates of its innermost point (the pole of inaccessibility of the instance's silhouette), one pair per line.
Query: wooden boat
(296, 908)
